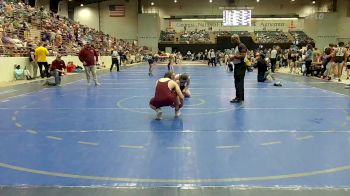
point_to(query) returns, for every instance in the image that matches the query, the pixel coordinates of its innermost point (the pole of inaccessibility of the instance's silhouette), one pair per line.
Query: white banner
(257, 25)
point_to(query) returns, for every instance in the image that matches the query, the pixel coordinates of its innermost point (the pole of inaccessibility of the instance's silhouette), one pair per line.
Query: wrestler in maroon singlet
(163, 96)
(168, 93)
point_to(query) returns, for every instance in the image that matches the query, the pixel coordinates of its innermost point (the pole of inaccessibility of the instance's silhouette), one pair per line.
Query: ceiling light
(152, 3)
(81, 5)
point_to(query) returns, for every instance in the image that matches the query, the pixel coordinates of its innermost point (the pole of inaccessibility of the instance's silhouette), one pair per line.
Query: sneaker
(159, 114)
(339, 80)
(97, 84)
(236, 100)
(177, 113)
(277, 84)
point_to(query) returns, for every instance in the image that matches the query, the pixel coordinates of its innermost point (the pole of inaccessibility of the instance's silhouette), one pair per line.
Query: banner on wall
(256, 25)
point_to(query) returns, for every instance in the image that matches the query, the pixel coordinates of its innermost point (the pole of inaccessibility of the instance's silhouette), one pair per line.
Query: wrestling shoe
(159, 114)
(177, 113)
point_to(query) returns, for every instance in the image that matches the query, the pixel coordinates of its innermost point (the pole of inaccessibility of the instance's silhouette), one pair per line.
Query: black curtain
(54, 6)
(32, 3)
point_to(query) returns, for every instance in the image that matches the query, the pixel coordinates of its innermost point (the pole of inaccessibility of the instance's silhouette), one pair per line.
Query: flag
(116, 10)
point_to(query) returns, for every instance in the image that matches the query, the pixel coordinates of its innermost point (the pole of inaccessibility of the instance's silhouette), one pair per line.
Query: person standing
(239, 68)
(273, 59)
(115, 60)
(171, 62)
(151, 63)
(308, 59)
(339, 60)
(347, 61)
(212, 58)
(41, 53)
(33, 66)
(88, 56)
(262, 67)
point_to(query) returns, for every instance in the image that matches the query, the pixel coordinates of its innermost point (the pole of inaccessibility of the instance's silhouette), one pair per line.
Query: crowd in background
(60, 34)
(330, 63)
(271, 37)
(54, 35)
(260, 37)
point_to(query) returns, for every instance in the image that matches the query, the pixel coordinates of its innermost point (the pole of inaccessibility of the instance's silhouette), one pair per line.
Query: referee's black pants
(239, 74)
(116, 63)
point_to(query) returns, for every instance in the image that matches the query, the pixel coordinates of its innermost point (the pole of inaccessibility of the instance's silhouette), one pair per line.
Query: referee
(240, 68)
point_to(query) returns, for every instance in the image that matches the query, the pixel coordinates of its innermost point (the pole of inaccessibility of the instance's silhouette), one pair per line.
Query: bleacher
(197, 37)
(167, 36)
(204, 37)
(301, 37)
(17, 26)
(208, 39)
(230, 33)
(263, 37)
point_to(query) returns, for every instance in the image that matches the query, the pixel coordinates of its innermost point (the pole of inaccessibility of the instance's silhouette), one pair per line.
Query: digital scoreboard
(237, 17)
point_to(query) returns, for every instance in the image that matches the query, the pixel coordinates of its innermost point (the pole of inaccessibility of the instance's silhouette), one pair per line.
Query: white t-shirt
(115, 54)
(274, 54)
(212, 54)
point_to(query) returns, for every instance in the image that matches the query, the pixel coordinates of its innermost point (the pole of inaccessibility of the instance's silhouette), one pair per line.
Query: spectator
(33, 66)
(88, 56)
(273, 59)
(262, 67)
(70, 67)
(41, 53)
(57, 69)
(308, 59)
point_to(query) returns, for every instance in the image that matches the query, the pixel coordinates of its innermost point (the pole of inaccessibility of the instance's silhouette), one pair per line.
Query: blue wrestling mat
(80, 135)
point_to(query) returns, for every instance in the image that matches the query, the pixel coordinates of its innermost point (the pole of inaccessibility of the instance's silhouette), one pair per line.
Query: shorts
(339, 59)
(150, 61)
(169, 100)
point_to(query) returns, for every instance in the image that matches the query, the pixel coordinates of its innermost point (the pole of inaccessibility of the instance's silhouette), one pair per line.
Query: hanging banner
(257, 25)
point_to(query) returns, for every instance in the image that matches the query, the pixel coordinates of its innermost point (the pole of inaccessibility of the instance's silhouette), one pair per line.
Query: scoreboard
(237, 17)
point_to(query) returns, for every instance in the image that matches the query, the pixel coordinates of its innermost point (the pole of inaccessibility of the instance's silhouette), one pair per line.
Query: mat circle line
(145, 180)
(121, 101)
